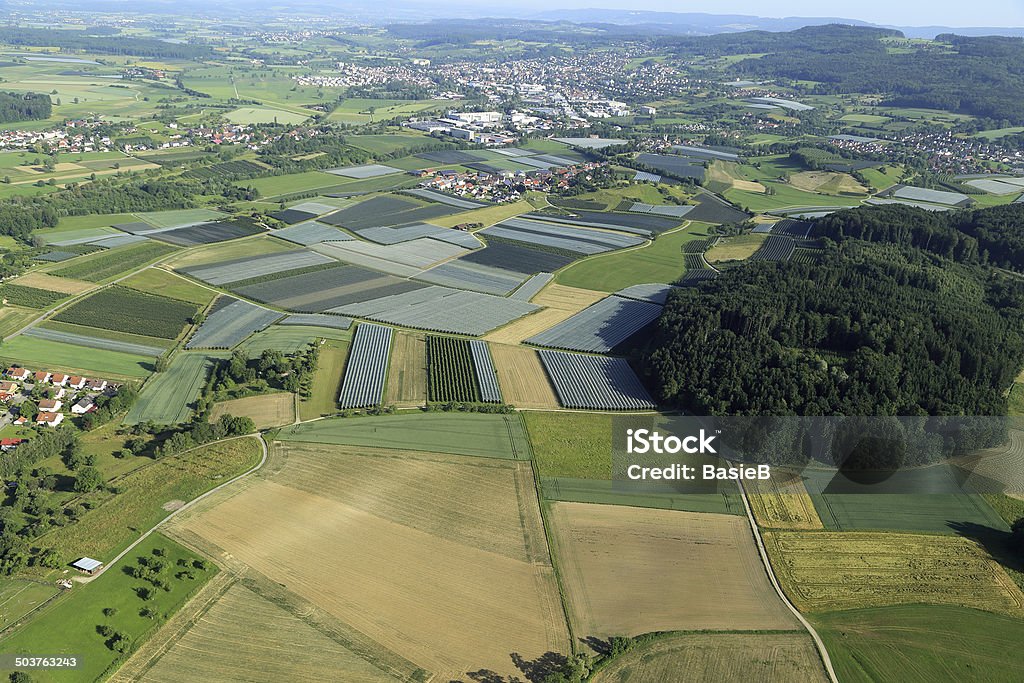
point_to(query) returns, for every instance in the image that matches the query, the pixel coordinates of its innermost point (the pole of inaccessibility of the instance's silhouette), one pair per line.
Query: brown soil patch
(631, 570)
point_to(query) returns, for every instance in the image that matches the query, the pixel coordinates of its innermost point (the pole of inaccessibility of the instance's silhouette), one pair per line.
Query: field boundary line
(188, 505)
(181, 623)
(818, 642)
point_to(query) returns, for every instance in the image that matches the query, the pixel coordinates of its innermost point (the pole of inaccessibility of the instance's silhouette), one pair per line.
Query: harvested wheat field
(628, 571)
(789, 657)
(782, 502)
(560, 303)
(523, 381)
(266, 410)
(848, 569)
(53, 283)
(439, 559)
(827, 182)
(407, 371)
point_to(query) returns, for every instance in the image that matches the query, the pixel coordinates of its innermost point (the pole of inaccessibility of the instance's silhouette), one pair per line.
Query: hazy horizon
(909, 13)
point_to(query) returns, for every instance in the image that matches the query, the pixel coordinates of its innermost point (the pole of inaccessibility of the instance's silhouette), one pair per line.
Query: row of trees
(19, 216)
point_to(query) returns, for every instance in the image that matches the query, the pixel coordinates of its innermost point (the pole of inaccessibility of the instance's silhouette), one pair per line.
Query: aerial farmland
(321, 337)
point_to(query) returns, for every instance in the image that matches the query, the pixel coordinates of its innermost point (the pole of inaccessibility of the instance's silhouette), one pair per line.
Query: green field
(784, 197)
(68, 626)
(56, 356)
(388, 144)
(146, 495)
(727, 501)
(275, 186)
(167, 397)
(574, 445)
(128, 310)
(997, 133)
(922, 644)
(170, 219)
(69, 223)
(290, 338)
(262, 115)
(872, 119)
(108, 264)
(14, 318)
(660, 261)
(491, 436)
(20, 596)
(323, 399)
(356, 111)
(933, 513)
(164, 283)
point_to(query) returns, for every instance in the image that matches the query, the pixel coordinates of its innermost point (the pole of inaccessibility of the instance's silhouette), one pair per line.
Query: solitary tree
(88, 479)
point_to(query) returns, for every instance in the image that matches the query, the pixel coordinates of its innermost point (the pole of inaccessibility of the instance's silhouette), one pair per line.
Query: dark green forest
(873, 329)
(988, 236)
(981, 76)
(17, 106)
(104, 45)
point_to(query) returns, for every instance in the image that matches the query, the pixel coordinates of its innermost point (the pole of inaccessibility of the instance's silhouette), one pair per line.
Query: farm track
(183, 508)
(818, 642)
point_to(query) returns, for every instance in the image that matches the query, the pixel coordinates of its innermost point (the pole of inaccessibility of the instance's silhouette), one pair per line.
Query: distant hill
(700, 23)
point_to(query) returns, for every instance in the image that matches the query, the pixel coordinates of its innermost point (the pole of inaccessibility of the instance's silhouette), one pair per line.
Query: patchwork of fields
(394, 549)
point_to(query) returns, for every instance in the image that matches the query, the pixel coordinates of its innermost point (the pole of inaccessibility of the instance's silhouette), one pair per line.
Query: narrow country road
(818, 642)
(186, 506)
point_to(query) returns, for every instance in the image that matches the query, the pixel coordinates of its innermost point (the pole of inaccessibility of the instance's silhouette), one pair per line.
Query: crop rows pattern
(367, 367)
(595, 382)
(452, 376)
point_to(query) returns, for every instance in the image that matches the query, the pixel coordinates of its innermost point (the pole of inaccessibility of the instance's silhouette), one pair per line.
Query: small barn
(87, 565)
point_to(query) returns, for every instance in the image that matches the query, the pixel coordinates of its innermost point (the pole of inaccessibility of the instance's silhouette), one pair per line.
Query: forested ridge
(870, 330)
(989, 236)
(68, 39)
(982, 76)
(17, 106)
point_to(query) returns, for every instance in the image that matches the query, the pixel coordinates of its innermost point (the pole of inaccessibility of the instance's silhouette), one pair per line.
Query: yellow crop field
(826, 182)
(560, 302)
(438, 559)
(267, 410)
(53, 283)
(843, 570)
(628, 571)
(782, 503)
(231, 633)
(735, 248)
(521, 377)
(787, 657)
(407, 371)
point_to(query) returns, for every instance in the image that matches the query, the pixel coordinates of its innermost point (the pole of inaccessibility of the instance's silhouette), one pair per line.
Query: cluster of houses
(71, 394)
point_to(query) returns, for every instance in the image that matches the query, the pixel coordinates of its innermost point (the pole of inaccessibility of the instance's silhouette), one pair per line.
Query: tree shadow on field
(488, 676)
(600, 647)
(538, 669)
(995, 541)
(534, 671)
